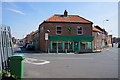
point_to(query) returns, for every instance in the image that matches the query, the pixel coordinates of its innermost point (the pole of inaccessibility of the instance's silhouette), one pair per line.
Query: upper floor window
(41, 29)
(79, 30)
(58, 30)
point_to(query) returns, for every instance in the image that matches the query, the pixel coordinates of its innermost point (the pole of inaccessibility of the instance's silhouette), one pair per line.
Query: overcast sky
(24, 17)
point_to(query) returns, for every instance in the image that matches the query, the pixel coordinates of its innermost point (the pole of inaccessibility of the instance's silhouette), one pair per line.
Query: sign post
(46, 36)
(46, 39)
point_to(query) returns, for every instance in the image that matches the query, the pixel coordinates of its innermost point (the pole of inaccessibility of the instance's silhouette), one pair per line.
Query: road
(89, 65)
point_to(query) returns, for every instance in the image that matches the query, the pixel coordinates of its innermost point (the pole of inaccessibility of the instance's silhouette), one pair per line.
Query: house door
(76, 46)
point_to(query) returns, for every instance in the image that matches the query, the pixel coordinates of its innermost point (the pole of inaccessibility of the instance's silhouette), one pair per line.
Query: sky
(25, 17)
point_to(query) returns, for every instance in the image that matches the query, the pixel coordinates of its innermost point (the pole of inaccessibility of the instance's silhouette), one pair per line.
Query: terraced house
(101, 38)
(66, 33)
(98, 34)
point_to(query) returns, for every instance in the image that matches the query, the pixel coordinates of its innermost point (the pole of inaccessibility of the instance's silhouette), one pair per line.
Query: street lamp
(106, 20)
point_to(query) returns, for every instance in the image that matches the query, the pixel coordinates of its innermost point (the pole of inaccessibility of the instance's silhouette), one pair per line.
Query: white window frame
(57, 30)
(78, 30)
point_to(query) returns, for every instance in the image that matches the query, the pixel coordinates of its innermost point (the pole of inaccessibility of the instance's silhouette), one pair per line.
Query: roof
(36, 31)
(99, 27)
(69, 18)
(95, 29)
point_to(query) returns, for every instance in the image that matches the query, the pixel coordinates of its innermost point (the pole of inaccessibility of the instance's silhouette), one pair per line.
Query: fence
(6, 47)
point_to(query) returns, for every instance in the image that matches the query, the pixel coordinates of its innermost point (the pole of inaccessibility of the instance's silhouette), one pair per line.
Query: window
(82, 45)
(86, 45)
(42, 29)
(57, 45)
(60, 45)
(58, 30)
(68, 45)
(79, 30)
(54, 44)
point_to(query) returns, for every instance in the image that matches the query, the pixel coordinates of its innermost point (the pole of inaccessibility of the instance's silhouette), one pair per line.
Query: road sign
(46, 36)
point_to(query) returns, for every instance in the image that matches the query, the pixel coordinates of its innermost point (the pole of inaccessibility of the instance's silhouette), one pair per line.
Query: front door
(76, 46)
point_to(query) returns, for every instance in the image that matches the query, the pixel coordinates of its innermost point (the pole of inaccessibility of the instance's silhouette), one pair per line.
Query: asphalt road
(89, 65)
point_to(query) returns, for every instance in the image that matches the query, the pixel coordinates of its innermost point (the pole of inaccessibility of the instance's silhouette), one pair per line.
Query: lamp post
(106, 20)
(104, 32)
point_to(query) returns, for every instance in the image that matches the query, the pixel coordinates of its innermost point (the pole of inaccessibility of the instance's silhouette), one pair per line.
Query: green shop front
(71, 43)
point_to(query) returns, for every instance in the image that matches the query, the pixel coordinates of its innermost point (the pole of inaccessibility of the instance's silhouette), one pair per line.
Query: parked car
(25, 45)
(30, 47)
(22, 44)
(118, 44)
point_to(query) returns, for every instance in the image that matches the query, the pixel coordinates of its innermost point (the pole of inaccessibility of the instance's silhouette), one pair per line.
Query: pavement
(88, 65)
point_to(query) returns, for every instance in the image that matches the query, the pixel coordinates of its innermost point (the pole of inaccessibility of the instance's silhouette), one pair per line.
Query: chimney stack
(65, 13)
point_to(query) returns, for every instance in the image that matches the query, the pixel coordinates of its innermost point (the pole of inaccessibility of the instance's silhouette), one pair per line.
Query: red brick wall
(87, 31)
(109, 39)
(97, 40)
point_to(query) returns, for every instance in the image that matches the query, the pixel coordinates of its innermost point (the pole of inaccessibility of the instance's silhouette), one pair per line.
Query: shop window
(60, 45)
(82, 45)
(68, 45)
(57, 45)
(54, 45)
(86, 45)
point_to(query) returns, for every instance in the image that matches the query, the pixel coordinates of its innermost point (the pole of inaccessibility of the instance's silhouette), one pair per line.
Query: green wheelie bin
(16, 63)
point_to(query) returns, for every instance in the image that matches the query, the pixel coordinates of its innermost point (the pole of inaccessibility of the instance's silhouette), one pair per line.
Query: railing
(6, 47)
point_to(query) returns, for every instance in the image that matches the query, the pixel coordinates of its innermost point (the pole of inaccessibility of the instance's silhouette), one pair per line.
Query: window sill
(79, 34)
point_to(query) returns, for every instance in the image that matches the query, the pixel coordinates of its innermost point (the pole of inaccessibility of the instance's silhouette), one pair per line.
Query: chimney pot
(65, 13)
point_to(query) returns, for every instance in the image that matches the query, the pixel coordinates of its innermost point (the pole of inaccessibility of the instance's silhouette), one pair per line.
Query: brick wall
(97, 40)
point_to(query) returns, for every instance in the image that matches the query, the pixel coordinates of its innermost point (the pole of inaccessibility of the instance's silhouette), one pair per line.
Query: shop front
(71, 43)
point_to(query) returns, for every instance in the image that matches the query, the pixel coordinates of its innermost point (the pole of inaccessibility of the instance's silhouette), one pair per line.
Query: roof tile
(95, 29)
(69, 18)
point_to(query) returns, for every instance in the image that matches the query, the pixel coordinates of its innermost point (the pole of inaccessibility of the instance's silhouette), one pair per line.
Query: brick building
(29, 38)
(98, 36)
(109, 40)
(33, 38)
(101, 38)
(66, 33)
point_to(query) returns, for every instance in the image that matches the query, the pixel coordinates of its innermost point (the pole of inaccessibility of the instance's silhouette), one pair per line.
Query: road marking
(76, 58)
(36, 61)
